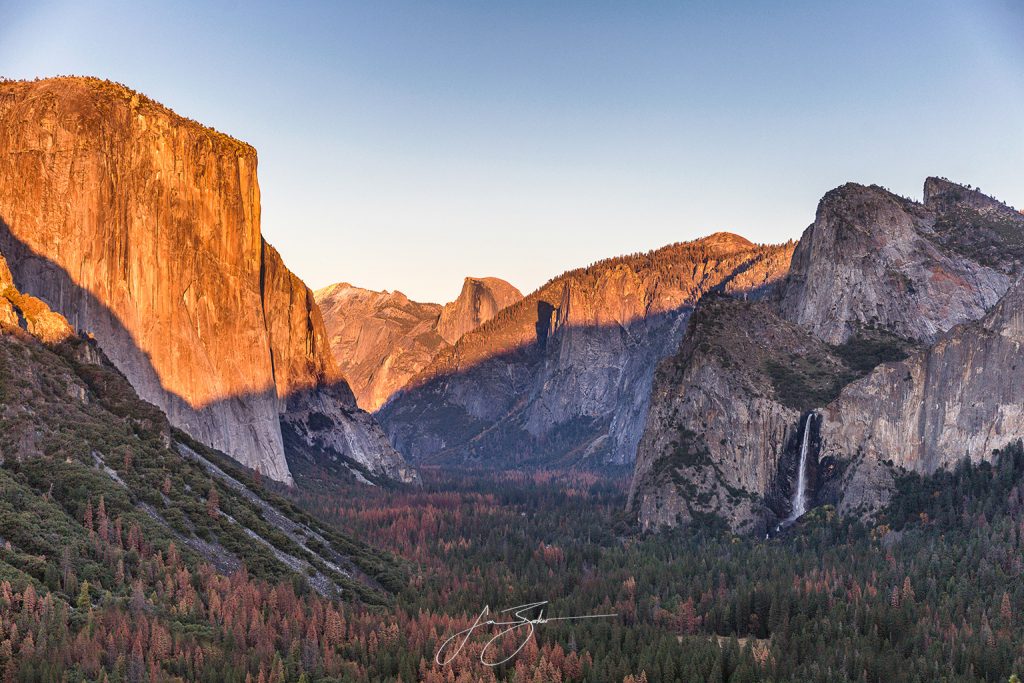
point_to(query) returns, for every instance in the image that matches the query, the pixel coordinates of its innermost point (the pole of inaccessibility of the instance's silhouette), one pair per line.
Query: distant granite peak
(479, 301)
(382, 339)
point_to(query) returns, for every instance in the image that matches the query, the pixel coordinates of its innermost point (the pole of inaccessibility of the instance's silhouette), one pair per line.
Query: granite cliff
(563, 377)
(382, 339)
(728, 412)
(894, 330)
(142, 228)
(960, 398)
(874, 258)
(479, 301)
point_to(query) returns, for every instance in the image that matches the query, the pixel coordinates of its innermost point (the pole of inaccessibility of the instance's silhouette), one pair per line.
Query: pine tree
(84, 602)
(213, 503)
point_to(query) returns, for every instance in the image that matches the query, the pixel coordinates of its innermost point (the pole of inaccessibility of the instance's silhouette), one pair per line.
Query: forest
(930, 591)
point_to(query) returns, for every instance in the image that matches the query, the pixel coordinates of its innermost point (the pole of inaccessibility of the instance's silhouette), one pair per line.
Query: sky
(406, 145)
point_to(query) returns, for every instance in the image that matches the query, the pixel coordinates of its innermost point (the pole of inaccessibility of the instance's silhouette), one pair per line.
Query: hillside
(111, 517)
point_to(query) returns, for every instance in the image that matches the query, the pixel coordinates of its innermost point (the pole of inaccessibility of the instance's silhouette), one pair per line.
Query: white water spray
(800, 496)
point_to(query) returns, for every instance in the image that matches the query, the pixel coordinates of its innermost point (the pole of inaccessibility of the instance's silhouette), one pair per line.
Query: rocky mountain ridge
(143, 228)
(895, 329)
(382, 339)
(563, 376)
(874, 258)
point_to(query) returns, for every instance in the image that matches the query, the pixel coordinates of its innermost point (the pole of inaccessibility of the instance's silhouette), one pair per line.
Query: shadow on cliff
(500, 439)
(39, 276)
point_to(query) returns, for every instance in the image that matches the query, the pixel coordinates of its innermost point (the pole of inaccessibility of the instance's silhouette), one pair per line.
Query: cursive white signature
(521, 620)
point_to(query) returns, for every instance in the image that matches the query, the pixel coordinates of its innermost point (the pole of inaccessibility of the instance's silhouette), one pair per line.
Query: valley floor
(931, 592)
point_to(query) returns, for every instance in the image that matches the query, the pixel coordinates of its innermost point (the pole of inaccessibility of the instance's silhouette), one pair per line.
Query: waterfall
(800, 495)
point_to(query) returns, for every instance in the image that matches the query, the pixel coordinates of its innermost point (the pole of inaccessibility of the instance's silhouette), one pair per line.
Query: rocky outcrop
(382, 339)
(872, 258)
(8, 310)
(944, 197)
(479, 301)
(143, 229)
(28, 313)
(902, 295)
(563, 377)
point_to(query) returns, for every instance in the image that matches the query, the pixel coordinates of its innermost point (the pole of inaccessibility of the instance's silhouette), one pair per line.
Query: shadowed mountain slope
(74, 436)
(563, 377)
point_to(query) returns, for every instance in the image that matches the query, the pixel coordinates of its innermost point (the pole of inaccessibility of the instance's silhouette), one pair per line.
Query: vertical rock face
(142, 228)
(382, 339)
(298, 342)
(479, 301)
(319, 417)
(897, 325)
(960, 398)
(872, 258)
(564, 376)
(724, 411)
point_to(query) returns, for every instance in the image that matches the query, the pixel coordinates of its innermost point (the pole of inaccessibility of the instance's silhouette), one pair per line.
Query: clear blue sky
(406, 145)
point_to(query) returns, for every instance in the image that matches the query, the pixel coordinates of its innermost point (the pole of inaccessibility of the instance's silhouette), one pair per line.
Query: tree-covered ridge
(118, 535)
(673, 275)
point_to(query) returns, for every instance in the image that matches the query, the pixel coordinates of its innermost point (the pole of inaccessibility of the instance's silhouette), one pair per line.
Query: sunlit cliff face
(143, 229)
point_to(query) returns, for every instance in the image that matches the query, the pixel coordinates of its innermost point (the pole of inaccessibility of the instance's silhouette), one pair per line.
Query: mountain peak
(915, 270)
(726, 240)
(480, 300)
(941, 194)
